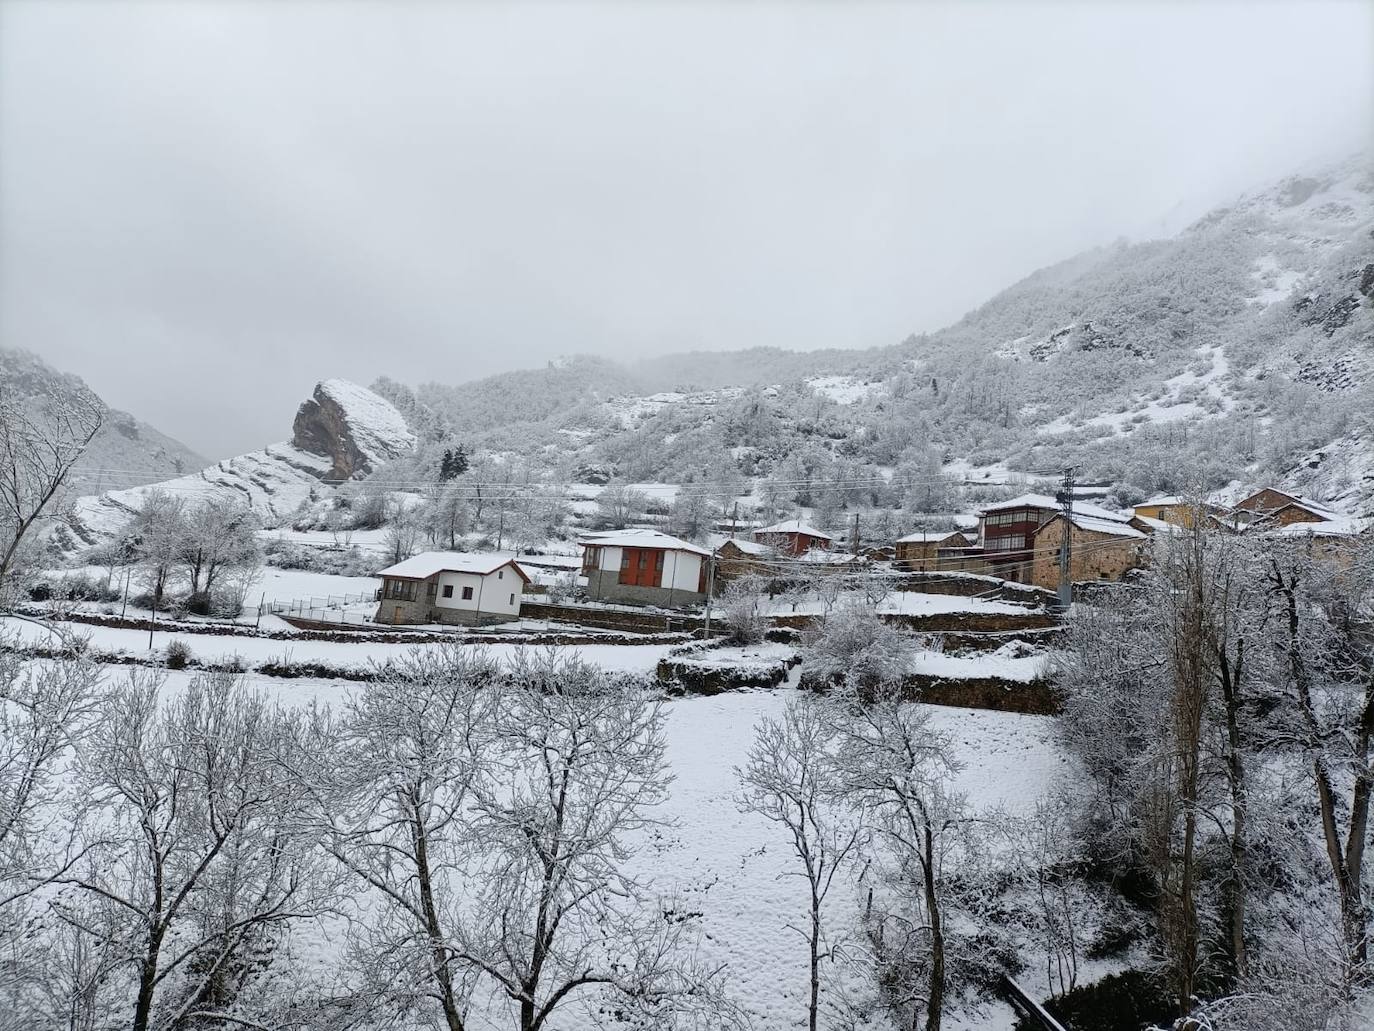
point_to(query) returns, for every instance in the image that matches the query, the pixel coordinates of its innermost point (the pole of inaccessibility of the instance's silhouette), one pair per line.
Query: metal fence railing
(331, 608)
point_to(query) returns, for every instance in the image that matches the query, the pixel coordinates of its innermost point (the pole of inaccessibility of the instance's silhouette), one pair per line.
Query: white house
(451, 587)
(644, 567)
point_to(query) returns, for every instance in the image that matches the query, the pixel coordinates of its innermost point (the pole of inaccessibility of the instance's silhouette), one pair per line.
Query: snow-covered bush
(742, 610)
(854, 649)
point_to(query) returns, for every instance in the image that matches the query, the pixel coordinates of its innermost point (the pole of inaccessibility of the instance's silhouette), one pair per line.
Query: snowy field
(910, 603)
(213, 648)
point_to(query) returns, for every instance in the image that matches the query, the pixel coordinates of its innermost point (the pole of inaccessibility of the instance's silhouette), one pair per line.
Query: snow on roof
(377, 428)
(1045, 501)
(1114, 527)
(1157, 525)
(1341, 526)
(1315, 507)
(748, 547)
(1160, 500)
(793, 526)
(826, 558)
(928, 536)
(641, 539)
(427, 563)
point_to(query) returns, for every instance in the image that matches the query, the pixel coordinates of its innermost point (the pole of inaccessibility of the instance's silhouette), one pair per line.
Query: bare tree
(218, 535)
(40, 443)
(205, 855)
(1326, 607)
(45, 709)
(410, 748)
(158, 535)
(898, 771)
(578, 768)
(789, 779)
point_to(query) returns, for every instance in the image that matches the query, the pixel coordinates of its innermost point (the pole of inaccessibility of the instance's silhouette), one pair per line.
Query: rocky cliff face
(343, 431)
(351, 426)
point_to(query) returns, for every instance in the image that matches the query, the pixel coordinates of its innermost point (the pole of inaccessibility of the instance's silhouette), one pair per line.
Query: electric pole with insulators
(1065, 499)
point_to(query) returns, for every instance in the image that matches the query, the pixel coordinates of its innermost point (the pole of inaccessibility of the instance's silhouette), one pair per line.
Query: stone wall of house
(414, 611)
(605, 585)
(1095, 556)
(613, 619)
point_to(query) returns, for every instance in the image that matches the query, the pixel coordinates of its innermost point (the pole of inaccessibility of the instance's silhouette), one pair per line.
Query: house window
(401, 590)
(467, 594)
(500, 574)
(512, 599)
(448, 590)
(432, 589)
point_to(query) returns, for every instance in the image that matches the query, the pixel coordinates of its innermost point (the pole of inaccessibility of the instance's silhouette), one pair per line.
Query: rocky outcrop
(351, 426)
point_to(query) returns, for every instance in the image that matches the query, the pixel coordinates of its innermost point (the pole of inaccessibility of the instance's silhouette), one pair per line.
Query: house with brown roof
(1272, 507)
(451, 587)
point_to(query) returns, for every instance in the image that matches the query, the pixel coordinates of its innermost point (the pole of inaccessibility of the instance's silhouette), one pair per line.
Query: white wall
(610, 560)
(682, 571)
(491, 593)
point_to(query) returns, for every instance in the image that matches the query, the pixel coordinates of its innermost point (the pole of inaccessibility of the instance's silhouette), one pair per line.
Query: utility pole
(734, 522)
(1065, 499)
(854, 540)
(710, 590)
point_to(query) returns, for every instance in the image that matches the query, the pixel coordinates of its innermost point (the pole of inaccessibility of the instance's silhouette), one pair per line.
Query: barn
(793, 537)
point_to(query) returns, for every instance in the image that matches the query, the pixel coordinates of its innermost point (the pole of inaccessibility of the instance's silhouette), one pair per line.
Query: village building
(1099, 549)
(737, 558)
(1271, 507)
(1175, 509)
(644, 567)
(451, 587)
(926, 550)
(793, 537)
(1007, 530)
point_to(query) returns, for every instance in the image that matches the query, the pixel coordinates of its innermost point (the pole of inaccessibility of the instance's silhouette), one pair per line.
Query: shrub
(178, 654)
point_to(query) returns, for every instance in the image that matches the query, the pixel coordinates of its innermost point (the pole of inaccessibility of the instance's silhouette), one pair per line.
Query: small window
(467, 594)
(448, 590)
(512, 599)
(432, 588)
(500, 574)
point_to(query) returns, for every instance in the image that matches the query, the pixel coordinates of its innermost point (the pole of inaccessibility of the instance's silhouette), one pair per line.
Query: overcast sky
(205, 208)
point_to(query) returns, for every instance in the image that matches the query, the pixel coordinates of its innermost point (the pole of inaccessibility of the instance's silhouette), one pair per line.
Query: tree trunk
(443, 967)
(812, 1011)
(1230, 677)
(935, 1002)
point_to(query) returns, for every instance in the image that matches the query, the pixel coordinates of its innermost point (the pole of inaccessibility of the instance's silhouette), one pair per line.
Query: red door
(640, 567)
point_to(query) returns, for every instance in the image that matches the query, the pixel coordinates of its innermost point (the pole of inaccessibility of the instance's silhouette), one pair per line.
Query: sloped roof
(1315, 507)
(634, 538)
(748, 547)
(929, 536)
(1113, 527)
(427, 563)
(1045, 501)
(1160, 500)
(1156, 525)
(793, 526)
(1341, 526)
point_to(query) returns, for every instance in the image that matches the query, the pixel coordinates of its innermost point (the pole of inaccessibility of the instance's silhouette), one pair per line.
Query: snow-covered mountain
(125, 451)
(1241, 348)
(341, 433)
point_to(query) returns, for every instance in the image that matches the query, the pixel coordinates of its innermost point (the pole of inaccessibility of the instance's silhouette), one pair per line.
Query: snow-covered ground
(910, 603)
(633, 658)
(734, 868)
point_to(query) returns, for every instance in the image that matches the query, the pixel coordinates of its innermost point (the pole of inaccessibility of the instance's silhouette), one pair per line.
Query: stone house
(451, 587)
(737, 558)
(931, 549)
(1099, 549)
(644, 567)
(1271, 507)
